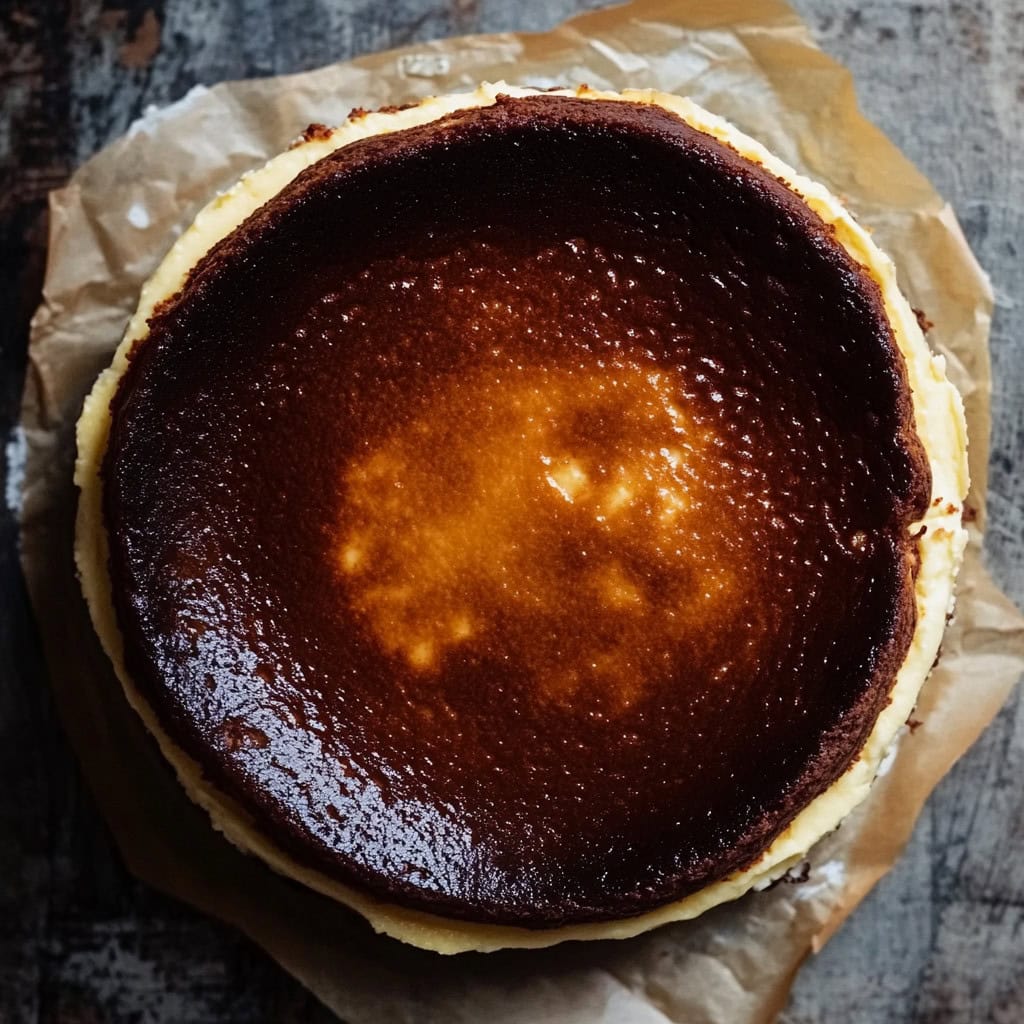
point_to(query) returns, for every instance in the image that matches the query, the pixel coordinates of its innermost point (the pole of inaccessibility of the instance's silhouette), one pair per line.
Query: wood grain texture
(942, 937)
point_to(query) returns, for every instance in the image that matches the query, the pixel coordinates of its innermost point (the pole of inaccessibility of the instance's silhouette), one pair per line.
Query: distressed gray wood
(941, 939)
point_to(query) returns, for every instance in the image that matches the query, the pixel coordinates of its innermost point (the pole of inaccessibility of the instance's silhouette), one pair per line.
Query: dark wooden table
(940, 940)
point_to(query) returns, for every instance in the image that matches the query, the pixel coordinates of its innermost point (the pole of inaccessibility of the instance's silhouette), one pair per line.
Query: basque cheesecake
(523, 516)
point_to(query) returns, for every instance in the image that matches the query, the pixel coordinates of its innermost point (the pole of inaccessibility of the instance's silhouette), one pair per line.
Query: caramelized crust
(512, 515)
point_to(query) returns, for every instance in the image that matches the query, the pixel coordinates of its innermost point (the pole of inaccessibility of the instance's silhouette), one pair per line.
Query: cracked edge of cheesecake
(939, 423)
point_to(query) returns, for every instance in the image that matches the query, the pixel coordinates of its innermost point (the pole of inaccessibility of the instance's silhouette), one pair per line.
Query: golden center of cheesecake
(549, 514)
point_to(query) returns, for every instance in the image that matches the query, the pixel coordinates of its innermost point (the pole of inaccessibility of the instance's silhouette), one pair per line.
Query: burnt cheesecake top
(512, 515)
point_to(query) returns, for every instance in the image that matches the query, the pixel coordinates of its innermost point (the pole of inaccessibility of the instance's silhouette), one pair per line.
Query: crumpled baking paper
(749, 60)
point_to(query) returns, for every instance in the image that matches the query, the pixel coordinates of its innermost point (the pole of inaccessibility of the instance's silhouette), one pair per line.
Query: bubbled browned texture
(512, 515)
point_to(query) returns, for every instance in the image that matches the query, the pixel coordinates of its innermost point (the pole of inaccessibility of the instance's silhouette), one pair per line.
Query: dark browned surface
(478, 483)
(938, 941)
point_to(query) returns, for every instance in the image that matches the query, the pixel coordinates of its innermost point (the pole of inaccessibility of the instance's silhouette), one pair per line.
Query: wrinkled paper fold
(751, 61)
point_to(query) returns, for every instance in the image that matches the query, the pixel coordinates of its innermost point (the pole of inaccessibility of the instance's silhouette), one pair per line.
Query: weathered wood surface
(940, 940)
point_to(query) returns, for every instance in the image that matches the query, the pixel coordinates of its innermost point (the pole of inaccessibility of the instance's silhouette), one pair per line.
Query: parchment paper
(753, 62)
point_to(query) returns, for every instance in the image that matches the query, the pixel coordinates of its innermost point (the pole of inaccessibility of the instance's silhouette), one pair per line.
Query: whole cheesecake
(523, 516)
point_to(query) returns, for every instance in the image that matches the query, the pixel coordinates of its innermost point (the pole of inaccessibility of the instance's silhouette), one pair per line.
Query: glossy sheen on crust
(406, 658)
